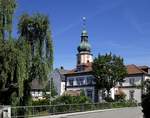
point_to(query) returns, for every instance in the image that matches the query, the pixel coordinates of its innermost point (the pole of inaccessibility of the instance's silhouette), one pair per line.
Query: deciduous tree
(108, 70)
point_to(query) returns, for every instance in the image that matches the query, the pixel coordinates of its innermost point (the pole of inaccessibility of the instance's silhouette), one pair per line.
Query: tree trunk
(108, 91)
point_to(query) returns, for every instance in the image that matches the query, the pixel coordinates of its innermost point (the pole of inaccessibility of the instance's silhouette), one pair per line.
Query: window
(80, 80)
(131, 94)
(89, 80)
(132, 81)
(89, 93)
(71, 81)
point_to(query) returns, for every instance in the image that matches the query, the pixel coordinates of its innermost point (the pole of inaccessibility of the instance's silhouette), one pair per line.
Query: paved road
(134, 112)
(120, 113)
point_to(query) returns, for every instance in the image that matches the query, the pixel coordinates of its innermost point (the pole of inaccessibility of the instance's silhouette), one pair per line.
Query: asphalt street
(132, 112)
(119, 113)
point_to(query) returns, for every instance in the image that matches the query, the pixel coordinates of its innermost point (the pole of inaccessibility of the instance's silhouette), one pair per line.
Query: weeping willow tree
(30, 57)
(14, 59)
(35, 30)
(13, 73)
(7, 8)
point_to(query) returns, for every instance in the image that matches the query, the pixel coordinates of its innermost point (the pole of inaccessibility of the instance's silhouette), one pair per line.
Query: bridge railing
(45, 110)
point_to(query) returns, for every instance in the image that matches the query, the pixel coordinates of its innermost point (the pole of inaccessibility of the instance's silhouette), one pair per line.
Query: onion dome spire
(84, 45)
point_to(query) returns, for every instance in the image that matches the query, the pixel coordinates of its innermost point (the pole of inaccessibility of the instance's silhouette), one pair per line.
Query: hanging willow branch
(7, 8)
(37, 33)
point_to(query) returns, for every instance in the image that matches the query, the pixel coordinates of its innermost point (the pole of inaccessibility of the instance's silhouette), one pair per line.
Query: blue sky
(118, 26)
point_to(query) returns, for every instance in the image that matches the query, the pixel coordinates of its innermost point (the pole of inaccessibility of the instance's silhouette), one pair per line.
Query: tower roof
(84, 46)
(84, 33)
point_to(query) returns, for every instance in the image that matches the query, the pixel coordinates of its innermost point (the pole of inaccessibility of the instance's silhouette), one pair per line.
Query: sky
(118, 26)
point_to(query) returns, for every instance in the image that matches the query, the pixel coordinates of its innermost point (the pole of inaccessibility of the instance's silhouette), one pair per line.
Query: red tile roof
(131, 69)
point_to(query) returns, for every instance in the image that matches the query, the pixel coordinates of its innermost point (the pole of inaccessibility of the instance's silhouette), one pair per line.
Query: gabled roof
(133, 69)
(61, 72)
(82, 68)
(36, 85)
(144, 67)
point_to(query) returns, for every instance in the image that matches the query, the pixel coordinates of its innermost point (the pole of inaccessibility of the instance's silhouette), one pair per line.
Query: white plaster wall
(85, 58)
(137, 93)
(136, 79)
(57, 81)
(146, 77)
(62, 88)
(112, 94)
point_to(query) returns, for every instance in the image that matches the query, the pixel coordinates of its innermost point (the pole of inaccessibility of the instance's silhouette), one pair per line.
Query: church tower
(84, 55)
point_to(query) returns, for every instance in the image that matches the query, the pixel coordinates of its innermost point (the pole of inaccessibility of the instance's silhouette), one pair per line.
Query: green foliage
(82, 93)
(7, 8)
(51, 89)
(35, 29)
(23, 60)
(66, 99)
(38, 69)
(108, 69)
(40, 102)
(120, 97)
(109, 99)
(13, 72)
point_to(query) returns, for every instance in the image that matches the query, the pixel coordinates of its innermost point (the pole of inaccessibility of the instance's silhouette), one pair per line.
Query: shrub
(120, 97)
(40, 102)
(67, 99)
(109, 99)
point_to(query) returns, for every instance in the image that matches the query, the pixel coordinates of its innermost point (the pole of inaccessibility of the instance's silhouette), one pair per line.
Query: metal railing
(45, 110)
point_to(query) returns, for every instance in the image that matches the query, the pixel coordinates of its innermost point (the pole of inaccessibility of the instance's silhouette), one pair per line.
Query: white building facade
(132, 85)
(59, 80)
(81, 81)
(81, 77)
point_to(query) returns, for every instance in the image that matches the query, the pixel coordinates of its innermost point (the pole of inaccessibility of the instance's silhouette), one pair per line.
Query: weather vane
(84, 22)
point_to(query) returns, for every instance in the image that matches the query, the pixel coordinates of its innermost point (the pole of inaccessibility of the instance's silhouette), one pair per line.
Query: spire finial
(84, 22)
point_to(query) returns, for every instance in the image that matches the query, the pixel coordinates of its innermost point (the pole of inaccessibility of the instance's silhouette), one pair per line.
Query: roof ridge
(139, 69)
